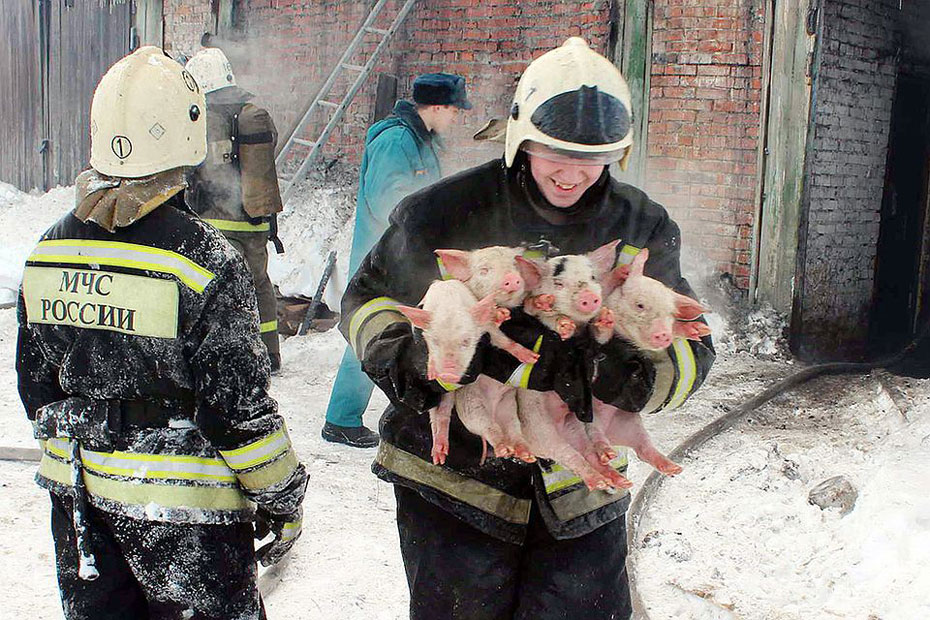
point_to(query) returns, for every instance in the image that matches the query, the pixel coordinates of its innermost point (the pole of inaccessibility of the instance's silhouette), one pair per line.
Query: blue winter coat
(400, 158)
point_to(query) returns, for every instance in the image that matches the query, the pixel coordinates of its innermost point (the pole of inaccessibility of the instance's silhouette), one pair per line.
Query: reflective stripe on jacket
(162, 310)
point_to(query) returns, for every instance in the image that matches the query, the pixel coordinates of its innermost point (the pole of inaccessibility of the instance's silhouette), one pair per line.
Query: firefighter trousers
(254, 248)
(156, 571)
(457, 572)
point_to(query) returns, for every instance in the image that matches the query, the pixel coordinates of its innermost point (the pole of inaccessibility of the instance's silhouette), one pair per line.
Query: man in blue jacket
(400, 158)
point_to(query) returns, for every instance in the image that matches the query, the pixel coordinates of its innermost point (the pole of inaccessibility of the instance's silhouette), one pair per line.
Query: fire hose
(650, 488)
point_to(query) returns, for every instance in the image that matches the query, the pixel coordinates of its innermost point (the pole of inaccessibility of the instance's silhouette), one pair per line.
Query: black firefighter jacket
(143, 346)
(492, 205)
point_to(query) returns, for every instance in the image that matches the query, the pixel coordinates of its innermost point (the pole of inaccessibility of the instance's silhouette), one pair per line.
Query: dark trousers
(254, 248)
(454, 571)
(156, 571)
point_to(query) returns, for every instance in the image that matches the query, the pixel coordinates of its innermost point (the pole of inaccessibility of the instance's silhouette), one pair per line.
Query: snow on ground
(731, 537)
(23, 219)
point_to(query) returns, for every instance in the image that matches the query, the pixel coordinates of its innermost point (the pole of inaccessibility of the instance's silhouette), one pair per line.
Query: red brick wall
(705, 98)
(290, 46)
(704, 123)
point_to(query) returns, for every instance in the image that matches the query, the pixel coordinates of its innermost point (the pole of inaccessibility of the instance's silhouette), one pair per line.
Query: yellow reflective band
(449, 387)
(268, 326)
(269, 474)
(533, 254)
(118, 254)
(258, 452)
(147, 466)
(290, 530)
(520, 377)
(558, 478)
(443, 275)
(627, 253)
(376, 305)
(150, 496)
(578, 502)
(468, 490)
(90, 299)
(687, 372)
(238, 226)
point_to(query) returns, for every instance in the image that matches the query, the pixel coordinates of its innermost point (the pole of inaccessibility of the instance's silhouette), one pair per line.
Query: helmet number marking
(189, 81)
(121, 146)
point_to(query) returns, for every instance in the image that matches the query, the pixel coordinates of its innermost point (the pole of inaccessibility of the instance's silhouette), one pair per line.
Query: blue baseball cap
(441, 89)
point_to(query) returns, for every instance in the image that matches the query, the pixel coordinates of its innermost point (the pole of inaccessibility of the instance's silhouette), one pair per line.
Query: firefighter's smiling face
(561, 179)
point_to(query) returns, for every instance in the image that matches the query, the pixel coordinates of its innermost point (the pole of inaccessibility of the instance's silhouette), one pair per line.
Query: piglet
(552, 431)
(488, 407)
(494, 271)
(452, 321)
(651, 316)
(568, 293)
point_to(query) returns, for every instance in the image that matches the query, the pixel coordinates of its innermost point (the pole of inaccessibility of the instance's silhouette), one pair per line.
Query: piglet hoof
(595, 481)
(524, 355)
(565, 327)
(605, 453)
(523, 453)
(440, 452)
(663, 464)
(543, 302)
(501, 315)
(503, 451)
(614, 479)
(670, 468)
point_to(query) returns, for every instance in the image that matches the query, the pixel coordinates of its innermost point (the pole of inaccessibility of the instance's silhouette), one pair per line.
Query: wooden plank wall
(21, 95)
(789, 94)
(85, 38)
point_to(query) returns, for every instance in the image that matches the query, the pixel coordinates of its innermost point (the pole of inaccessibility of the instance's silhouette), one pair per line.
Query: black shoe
(355, 436)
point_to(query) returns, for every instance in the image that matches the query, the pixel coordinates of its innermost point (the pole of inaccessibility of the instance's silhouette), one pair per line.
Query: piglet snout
(511, 282)
(588, 301)
(660, 340)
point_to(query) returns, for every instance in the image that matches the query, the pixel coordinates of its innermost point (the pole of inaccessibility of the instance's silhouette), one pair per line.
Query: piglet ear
(456, 263)
(418, 316)
(686, 308)
(604, 257)
(639, 262)
(530, 271)
(484, 311)
(614, 279)
(692, 330)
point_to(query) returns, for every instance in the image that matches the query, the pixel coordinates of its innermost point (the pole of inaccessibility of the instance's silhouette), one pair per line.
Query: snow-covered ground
(731, 537)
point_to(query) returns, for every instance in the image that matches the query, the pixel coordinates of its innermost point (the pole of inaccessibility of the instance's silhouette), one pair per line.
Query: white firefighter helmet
(211, 69)
(147, 116)
(573, 101)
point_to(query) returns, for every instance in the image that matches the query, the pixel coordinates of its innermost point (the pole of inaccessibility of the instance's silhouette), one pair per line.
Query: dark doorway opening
(897, 308)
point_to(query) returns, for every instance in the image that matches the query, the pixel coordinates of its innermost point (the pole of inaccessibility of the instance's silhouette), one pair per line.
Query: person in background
(141, 367)
(400, 158)
(235, 190)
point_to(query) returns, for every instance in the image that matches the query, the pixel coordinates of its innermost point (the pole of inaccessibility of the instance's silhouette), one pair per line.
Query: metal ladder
(289, 184)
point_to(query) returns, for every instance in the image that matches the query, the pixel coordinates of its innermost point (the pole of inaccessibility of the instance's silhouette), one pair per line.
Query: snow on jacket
(491, 205)
(156, 326)
(399, 158)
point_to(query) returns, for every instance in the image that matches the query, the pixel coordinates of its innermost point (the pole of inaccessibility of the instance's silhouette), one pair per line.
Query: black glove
(564, 366)
(622, 376)
(286, 530)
